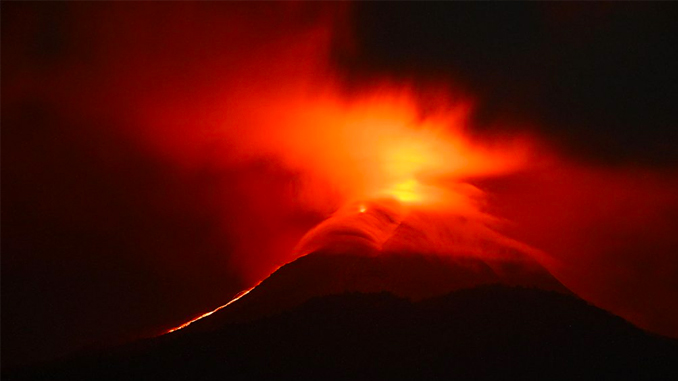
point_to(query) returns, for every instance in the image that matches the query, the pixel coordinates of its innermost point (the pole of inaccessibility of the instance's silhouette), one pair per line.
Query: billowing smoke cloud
(159, 158)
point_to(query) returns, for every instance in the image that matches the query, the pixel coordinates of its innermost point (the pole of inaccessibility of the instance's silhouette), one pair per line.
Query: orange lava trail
(235, 299)
(206, 314)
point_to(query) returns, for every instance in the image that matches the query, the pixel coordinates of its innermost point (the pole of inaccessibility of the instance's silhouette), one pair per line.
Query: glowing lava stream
(206, 314)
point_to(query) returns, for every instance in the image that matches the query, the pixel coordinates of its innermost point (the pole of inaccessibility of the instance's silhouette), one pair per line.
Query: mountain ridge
(411, 276)
(485, 332)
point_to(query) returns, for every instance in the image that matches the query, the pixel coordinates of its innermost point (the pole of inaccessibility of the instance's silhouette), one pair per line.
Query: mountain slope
(489, 332)
(410, 276)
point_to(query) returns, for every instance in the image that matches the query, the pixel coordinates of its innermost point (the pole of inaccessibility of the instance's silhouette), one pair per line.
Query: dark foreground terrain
(488, 332)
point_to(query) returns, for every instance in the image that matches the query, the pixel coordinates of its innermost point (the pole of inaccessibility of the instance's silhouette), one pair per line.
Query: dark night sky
(104, 239)
(599, 78)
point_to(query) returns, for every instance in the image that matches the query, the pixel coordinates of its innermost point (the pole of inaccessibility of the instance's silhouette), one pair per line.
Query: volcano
(360, 304)
(411, 276)
(482, 333)
(369, 251)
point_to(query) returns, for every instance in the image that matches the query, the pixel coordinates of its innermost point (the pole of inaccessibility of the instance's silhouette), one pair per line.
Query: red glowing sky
(193, 145)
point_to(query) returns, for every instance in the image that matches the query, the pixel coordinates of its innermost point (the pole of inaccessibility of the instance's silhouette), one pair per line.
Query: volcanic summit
(370, 248)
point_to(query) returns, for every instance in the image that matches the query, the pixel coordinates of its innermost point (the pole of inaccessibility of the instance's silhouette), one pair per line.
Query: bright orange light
(237, 297)
(378, 145)
(407, 191)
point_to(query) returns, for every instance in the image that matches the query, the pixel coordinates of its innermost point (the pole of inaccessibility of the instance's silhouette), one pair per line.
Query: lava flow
(206, 314)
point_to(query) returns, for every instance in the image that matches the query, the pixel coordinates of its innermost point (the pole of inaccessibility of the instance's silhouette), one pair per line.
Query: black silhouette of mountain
(483, 333)
(377, 250)
(364, 306)
(410, 276)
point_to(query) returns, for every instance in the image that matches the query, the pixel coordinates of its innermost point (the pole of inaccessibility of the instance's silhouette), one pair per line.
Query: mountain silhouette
(483, 333)
(411, 276)
(360, 304)
(384, 248)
